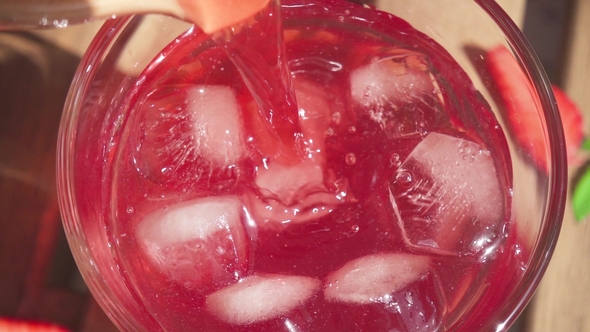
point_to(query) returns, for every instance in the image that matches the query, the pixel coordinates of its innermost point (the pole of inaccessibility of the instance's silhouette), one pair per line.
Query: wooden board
(515, 9)
(562, 302)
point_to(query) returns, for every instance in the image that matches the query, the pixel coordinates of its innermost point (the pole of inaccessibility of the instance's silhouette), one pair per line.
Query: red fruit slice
(370, 279)
(573, 124)
(198, 243)
(522, 108)
(261, 297)
(13, 325)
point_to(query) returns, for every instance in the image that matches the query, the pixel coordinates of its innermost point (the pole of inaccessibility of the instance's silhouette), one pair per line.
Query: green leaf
(581, 197)
(586, 144)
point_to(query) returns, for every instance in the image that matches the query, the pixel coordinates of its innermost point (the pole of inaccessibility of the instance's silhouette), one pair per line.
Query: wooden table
(38, 277)
(562, 302)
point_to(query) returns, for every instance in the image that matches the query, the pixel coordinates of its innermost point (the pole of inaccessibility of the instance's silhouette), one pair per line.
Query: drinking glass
(125, 46)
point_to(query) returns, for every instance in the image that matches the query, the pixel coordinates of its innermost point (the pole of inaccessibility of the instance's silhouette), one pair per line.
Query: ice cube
(374, 278)
(261, 297)
(288, 182)
(447, 195)
(285, 182)
(399, 78)
(297, 192)
(269, 212)
(218, 124)
(291, 194)
(185, 132)
(196, 242)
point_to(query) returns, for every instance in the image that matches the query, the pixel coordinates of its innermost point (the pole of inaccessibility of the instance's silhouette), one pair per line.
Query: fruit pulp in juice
(390, 213)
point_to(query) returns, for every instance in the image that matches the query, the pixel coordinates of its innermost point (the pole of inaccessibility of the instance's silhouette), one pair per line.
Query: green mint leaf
(586, 144)
(581, 197)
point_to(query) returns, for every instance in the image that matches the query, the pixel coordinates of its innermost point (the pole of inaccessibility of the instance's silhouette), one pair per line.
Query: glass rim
(546, 240)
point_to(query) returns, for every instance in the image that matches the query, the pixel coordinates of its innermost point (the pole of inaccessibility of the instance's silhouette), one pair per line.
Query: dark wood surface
(38, 278)
(562, 302)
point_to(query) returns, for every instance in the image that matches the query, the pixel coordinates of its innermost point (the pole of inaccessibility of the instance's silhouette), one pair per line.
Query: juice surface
(383, 204)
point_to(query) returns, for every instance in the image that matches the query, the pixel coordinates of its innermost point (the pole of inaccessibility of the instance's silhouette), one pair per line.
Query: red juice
(388, 212)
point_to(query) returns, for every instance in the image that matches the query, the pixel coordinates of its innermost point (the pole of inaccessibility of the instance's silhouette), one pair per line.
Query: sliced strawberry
(522, 107)
(13, 325)
(573, 124)
(270, 212)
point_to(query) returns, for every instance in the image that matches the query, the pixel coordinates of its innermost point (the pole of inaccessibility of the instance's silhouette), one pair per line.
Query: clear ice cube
(261, 297)
(399, 93)
(186, 131)
(217, 123)
(447, 196)
(197, 242)
(291, 194)
(374, 278)
(288, 183)
(398, 78)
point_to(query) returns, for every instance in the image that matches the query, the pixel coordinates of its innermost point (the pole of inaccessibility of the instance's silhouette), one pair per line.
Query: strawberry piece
(522, 110)
(521, 105)
(13, 325)
(573, 124)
